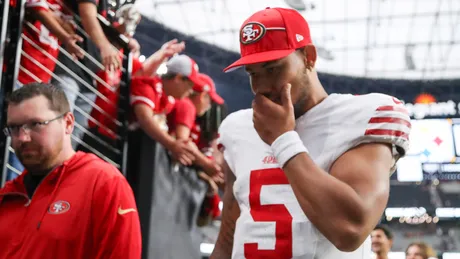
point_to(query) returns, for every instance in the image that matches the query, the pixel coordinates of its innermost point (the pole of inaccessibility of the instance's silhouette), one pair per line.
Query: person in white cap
(155, 96)
(307, 173)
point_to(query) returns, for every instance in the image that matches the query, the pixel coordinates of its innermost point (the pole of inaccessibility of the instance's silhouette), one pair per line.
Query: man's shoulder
(237, 125)
(99, 168)
(241, 118)
(347, 107)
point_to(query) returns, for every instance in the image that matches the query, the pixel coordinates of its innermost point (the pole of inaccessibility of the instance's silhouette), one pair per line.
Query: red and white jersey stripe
(389, 121)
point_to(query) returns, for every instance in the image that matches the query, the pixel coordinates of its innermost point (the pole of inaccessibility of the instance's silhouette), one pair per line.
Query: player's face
(380, 242)
(270, 77)
(41, 138)
(414, 252)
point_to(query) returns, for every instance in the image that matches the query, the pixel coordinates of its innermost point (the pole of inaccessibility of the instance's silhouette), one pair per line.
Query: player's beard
(302, 87)
(35, 158)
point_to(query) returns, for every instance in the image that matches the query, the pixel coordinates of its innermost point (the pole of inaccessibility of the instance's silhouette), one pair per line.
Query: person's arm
(52, 24)
(180, 149)
(230, 213)
(169, 49)
(115, 220)
(346, 204)
(88, 15)
(211, 168)
(182, 132)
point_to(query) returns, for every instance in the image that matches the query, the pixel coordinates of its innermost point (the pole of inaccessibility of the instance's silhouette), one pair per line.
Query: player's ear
(310, 56)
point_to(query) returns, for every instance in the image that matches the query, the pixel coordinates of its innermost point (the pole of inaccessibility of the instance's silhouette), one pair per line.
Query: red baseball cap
(209, 87)
(271, 34)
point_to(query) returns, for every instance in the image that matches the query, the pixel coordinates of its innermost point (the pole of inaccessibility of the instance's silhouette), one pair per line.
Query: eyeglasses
(35, 126)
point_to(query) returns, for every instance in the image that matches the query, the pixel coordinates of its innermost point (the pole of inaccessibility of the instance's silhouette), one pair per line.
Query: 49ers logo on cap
(252, 32)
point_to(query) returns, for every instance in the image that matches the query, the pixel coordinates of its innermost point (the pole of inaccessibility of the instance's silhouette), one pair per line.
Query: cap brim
(259, 58)
(216, 98)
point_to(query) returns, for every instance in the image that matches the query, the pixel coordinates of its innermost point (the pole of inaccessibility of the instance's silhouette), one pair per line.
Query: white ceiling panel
(403, 39)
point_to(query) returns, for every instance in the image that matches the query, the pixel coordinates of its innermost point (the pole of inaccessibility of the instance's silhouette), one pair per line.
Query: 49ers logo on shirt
(59, 207)
(252, 32)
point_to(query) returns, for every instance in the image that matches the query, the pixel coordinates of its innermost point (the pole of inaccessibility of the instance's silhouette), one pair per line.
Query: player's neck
(316, 95)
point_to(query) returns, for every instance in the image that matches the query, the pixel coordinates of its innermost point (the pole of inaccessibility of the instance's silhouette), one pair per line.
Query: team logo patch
(59, 207)
(252, 32)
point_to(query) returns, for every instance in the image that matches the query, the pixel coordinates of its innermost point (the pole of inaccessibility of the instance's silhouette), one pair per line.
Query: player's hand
(71, 46)
(110, 58)
(172, 47)
(182, 151)
(270, 119)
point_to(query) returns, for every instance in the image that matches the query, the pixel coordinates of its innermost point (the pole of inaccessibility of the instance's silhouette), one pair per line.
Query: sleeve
(37, 4)
(185, 113)
(116, 232)
(137, 65)
(142, 92)
(224, 142)
(388, 121)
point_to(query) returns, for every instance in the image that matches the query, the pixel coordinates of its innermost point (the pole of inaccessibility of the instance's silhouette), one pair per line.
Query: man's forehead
(33, 108)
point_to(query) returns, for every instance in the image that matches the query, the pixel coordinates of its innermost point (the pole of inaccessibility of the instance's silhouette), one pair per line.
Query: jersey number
(277, 213)
(46, 38)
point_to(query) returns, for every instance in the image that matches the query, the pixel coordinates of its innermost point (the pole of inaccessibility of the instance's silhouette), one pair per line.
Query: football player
(307, 173)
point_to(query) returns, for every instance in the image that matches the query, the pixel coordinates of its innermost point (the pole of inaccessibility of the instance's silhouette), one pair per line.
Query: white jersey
(272, 224)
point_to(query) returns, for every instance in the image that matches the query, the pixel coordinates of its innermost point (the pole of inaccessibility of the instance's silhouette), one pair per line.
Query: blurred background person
(382, 241)
(420, 250)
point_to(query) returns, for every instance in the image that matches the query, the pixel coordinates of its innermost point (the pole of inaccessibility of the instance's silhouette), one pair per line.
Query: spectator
(182, 120)
(420, 250)
(78, 206)
(41, 49)
(156, 96)
(184, 124)
(77, 82)
(102, 125)
(382, 241)
(46, 30)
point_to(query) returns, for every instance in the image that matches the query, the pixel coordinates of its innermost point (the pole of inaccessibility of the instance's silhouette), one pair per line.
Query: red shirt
(146, 90)
(84, 208)
(184, 113)
(40, 36)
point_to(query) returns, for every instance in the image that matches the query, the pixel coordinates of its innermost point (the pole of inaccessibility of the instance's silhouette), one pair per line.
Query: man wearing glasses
(65, 204)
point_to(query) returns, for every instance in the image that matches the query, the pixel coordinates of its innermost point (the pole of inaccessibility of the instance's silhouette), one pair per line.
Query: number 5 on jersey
(277, 213)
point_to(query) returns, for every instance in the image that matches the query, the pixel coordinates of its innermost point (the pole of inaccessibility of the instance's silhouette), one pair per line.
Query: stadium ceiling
(401, 39)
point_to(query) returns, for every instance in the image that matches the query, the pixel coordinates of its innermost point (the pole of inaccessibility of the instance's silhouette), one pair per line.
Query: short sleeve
(137, 65)
(388, 121)
(185, 113)
(142, 91)
(225, 142)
